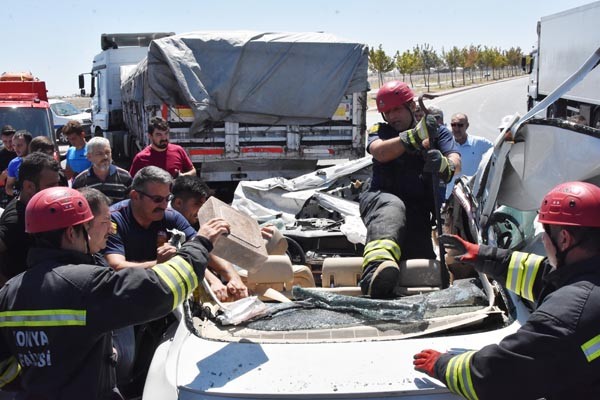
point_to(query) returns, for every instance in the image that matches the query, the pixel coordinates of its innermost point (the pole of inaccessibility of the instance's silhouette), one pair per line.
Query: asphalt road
(485, 105)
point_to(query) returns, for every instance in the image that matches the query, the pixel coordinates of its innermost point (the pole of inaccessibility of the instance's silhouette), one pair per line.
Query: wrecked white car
(319, 338)
(322, 339)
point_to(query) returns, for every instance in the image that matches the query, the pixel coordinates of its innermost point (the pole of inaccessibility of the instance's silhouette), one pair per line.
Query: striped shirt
(116, 186)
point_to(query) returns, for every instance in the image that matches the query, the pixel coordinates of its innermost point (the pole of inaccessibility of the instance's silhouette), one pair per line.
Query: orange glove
(425, 361)
(467, 251)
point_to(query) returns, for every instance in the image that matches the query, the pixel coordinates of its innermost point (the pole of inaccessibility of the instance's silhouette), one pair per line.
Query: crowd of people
(92, 237)
(100, 217)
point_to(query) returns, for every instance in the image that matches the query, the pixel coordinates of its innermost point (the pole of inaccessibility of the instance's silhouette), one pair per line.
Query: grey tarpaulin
(250, 77)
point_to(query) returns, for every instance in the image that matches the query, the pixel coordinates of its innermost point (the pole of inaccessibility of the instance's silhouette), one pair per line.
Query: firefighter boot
(384, 280)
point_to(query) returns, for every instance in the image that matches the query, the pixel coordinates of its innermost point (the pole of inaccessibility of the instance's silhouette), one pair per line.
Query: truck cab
(24, 104)
(120, 53)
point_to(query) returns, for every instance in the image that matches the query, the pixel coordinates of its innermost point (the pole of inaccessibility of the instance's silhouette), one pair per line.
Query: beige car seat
(342, 274)
(277, 273)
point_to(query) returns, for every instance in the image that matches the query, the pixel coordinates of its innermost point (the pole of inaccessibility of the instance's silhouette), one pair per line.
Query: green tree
(428, 61)
(380, 62)
(471, 57)
(453, 58)
(407, 63)
(514, 56)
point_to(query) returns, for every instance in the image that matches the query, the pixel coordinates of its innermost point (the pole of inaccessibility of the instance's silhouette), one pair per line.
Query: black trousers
(408, 223)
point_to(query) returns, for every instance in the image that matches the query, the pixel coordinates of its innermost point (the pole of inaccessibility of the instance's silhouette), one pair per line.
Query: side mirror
(81, 85)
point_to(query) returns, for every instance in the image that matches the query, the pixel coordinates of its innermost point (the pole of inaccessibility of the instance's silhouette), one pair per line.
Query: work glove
(467, 251)
(425, 361)
(412, 139)
(435, 161)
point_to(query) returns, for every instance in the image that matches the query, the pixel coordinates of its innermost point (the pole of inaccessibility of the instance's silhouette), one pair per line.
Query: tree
(453, 58)
(513, 57)
(380, 62)
(428, 59)
(471, 58)
(407, 63)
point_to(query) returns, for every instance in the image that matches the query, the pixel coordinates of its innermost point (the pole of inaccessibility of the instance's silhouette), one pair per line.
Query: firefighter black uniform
(56, 318)
(398, 206)
(555, 354)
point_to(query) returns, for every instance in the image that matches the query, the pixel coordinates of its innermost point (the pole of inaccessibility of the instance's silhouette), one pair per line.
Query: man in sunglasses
(556, 352)
(141, 224)
(471, 148)
(398, 206)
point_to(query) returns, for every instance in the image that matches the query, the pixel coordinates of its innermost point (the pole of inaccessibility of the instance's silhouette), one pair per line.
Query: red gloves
(467, 251)
(425, 361)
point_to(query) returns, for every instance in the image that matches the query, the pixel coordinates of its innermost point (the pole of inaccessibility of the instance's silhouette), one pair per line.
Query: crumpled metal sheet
(316, 309)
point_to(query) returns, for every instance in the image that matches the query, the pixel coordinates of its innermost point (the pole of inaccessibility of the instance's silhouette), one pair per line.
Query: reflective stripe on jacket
(56, 318)
(555, 354)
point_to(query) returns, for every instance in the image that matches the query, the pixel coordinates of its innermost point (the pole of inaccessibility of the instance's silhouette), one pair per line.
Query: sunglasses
(157, 199)
(455, 125)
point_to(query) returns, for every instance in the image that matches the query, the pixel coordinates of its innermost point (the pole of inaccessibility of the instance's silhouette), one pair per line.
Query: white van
(62, 112)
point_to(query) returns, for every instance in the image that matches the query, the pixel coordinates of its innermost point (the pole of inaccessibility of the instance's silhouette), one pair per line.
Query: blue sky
(56, 40)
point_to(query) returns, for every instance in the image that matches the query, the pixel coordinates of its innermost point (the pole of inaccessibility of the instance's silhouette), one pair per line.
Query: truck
(24, 104)
(565, 40)
(120, 52)
(245, 105)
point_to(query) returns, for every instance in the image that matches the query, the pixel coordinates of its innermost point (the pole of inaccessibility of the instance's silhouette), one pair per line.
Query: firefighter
(397, 207)
(556, 353)
(56, 318)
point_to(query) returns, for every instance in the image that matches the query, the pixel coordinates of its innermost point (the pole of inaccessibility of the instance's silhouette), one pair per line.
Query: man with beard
(160, 153)
(103, 175)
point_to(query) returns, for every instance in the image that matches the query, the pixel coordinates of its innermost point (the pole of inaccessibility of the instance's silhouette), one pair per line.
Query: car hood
(362, 368)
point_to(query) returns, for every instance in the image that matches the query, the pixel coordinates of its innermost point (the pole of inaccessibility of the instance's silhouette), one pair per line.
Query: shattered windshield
(315, 309)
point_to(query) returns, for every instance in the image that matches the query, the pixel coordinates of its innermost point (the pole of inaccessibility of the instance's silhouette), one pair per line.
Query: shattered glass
(315, 309)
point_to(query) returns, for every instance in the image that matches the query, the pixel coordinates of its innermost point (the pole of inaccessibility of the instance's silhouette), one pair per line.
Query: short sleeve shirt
(139, 244)
(77, 159)
(13, 167)
(116, 186)
(173, 159)
(471, 153)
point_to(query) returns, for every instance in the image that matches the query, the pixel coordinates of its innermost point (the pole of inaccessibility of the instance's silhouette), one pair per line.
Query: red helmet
(56, 208)
(393, 94)
(572, 203)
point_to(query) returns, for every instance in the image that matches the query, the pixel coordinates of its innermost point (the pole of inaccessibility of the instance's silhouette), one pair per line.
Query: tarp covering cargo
(250, 77)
